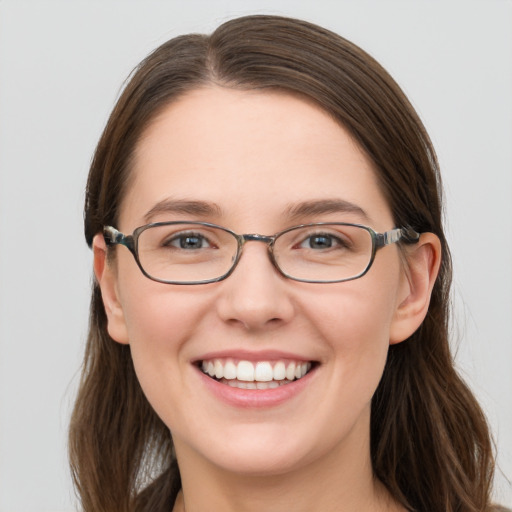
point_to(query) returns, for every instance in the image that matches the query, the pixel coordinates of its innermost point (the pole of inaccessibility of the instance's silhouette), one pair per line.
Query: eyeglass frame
(112, 237)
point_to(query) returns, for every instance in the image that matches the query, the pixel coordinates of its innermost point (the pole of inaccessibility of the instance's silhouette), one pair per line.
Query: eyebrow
(183, 206)
(324, 206)
(294, 211)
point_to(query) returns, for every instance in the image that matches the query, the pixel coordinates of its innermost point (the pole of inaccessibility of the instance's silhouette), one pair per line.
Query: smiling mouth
(255, 375)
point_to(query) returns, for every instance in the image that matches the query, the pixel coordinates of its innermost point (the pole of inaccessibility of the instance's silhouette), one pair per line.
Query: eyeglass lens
(194, 252)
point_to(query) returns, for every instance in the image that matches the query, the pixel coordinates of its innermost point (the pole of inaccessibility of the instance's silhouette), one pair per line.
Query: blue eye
(321, 241)
(188, 241)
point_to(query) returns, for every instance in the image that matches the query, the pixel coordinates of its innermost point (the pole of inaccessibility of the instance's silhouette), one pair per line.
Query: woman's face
(256, 162)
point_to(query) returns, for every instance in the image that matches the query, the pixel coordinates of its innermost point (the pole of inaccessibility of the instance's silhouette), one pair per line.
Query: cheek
(160, 320)
(157, 316)
(357, 316)
(160, 326)
(354, 321)
(359, 341)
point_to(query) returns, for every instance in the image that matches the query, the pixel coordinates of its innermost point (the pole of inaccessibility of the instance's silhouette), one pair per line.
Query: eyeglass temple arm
(112, 237)
(407, 234)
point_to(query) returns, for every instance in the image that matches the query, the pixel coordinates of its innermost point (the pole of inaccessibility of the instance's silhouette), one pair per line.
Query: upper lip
(253, 355)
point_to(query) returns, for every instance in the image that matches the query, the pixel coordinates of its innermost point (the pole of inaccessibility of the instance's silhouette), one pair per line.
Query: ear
(421, 268)
(105, 273)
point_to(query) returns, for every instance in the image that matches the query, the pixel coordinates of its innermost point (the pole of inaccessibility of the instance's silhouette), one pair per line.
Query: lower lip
(256, 398)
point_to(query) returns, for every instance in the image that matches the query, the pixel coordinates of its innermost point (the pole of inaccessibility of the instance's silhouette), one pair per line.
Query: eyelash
(180, 237)
(336, 241)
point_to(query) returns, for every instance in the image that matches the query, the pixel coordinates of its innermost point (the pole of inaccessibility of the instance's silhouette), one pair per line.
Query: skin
(254, 154)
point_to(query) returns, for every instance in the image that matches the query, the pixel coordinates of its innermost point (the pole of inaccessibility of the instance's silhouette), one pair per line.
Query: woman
(310, 374)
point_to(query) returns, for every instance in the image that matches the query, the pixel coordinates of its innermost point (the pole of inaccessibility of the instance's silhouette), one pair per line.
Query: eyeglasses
(184, 252)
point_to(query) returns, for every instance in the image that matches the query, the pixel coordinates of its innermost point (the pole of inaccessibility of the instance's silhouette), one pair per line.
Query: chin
(262, 450)
(260, 462)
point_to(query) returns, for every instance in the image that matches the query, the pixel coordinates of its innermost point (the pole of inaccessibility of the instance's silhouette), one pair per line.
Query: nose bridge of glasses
(254, 237)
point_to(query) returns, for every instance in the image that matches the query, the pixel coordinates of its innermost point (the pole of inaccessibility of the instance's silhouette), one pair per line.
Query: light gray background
(61, 67)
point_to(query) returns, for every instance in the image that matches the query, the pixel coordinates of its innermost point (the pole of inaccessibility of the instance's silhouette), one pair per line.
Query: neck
(340, 482)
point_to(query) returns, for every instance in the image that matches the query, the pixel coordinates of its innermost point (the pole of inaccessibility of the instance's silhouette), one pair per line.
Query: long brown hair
(430, 444)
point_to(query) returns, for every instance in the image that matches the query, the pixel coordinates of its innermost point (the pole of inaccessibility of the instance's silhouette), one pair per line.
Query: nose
(255, 296)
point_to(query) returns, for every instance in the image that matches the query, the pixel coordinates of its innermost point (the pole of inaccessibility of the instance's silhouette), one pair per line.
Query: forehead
(252, 154)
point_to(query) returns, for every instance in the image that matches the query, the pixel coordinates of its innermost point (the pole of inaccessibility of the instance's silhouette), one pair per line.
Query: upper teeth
(261, 371)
